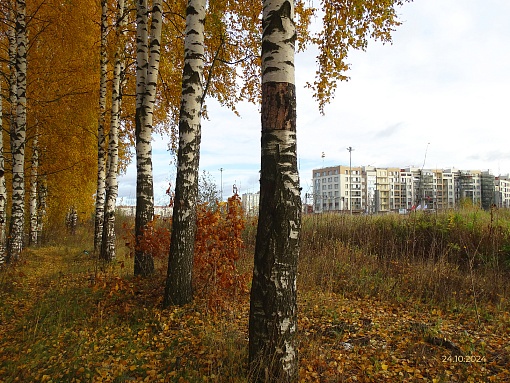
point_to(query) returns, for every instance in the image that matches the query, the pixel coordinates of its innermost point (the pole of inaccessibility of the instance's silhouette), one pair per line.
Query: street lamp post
(350, 149)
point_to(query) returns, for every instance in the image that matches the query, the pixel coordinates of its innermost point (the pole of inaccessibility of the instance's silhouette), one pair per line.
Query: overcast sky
(440, 94)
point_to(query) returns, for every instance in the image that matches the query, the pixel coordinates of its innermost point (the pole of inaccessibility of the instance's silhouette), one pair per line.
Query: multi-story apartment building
(250, 203)
(488, 190)
(395, 184)
(369, 176)
(382, 192)
(373, 190)
(448, 190)
(407, 190)
(502, 191)
(334, 189)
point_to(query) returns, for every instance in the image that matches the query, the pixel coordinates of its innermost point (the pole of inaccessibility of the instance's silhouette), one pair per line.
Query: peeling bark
(273, 351)
(178, 290)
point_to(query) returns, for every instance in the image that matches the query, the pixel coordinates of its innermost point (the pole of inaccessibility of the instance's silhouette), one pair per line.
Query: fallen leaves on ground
(61, 321)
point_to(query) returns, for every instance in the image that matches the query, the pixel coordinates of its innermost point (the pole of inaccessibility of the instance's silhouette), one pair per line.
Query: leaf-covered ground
(63, 319)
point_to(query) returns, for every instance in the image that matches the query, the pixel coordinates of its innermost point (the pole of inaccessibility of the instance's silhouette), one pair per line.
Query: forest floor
(64, 319)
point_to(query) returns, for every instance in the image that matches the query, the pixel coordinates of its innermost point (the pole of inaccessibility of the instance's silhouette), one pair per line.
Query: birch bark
(178, 289)
(13, 85)
(101, 144)
(273, 351)
(108, 249)
(18, 139)
(42, 195)
(34, 164)
(147, 68)
(3, 190)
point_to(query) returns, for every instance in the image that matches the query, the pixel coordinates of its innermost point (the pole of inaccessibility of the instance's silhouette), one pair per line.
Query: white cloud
(444, 81)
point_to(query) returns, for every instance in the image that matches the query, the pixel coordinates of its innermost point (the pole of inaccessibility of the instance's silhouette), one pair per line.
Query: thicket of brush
(451, 258)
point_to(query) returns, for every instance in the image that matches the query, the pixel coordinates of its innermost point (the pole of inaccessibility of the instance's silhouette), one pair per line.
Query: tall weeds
(448, 258)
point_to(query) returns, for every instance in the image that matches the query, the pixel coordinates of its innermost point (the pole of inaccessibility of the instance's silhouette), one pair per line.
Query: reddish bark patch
(279, 106)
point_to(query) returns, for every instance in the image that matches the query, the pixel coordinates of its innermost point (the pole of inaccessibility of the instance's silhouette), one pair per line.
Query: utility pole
(221, 184)
(350, 149)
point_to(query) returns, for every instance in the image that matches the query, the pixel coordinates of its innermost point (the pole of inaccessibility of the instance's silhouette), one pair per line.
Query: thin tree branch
(209, 76)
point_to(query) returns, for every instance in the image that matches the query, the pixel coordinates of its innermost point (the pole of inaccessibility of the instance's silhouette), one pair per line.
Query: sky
(439, 95)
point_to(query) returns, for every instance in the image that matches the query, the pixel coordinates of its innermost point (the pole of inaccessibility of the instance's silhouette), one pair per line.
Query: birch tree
(3, 190)
(109, 237)
(13, 85)
(273, 351)
(273, 308)
(147, 67)
(33, 211)
(18, 138)
(178, 289)
(101, 141)
(42, 195)
(11, 41)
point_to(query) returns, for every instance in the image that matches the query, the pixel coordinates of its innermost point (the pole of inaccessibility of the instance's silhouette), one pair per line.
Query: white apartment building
(502, 191)
(369, 174)
(374, 190)
(250, 203)
(449, 196)
(338, 188)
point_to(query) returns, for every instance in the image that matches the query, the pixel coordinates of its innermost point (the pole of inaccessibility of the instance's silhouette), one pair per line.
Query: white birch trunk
(42, 195)
(34, 165)
(147, 68)
(273, 351)
(101, 148)
(108, 248)
(3, 190)
(13, 84)
(178, 288)
(18, 138)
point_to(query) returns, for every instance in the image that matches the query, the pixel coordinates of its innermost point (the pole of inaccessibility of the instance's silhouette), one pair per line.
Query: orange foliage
(218, 246)
(154, 240)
